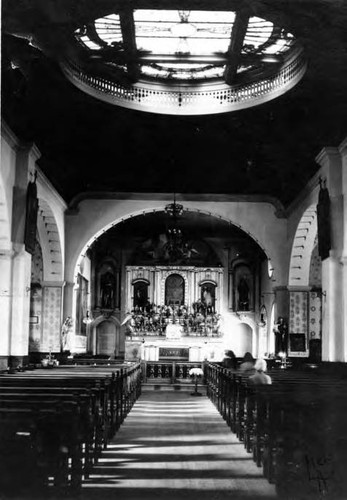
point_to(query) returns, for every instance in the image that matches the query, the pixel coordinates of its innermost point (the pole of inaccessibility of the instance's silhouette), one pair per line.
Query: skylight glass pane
(183, 72)
(278, 46)
(91, 45)
(258, 32)
(174, 32)
(108, 28)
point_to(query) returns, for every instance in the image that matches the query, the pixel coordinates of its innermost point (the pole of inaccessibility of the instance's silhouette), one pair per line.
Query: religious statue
(107, 291)
(243, 292)
(129, 322)
(207, 299)
(281, 336)
(66, 331)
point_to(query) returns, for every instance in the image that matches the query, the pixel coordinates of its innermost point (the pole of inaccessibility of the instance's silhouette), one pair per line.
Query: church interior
(173, 197)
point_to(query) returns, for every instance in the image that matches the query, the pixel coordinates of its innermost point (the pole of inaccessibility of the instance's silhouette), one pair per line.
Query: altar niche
(140, 294)
(174, 290)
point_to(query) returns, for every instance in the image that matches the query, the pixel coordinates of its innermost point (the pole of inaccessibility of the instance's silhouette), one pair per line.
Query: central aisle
(174, 446)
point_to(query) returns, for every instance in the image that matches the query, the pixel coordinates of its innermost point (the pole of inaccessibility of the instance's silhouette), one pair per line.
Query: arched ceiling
(150, 230)
(89, 145)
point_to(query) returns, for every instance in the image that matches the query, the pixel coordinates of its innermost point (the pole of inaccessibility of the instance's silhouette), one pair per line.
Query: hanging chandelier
(176, 248)
(174, 209)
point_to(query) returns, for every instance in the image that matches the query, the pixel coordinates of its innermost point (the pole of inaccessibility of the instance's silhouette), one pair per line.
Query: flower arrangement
(49, 361)
(196, 373)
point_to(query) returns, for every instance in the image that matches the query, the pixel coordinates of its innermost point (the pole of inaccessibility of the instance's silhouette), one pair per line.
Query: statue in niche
(207, 293)
(107, 290)
(243, 293)
(281, 336)
(140, 295)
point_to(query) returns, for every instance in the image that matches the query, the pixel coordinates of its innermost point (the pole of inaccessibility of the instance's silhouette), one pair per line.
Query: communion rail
(170, 371)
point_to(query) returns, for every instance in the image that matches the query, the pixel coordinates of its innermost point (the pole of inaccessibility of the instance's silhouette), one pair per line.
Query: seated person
(229, 360)
(260, 376)
(247, 365)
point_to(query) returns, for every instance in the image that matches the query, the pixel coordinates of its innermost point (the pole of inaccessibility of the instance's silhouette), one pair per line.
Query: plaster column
(332, 336)
(129, 288)
(68, 293)
(5, 305)
(21, 264)
(332, 268)
(343, 152)
(21, 274)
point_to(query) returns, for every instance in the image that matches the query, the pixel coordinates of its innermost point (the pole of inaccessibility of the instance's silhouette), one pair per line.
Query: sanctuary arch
(83, 229)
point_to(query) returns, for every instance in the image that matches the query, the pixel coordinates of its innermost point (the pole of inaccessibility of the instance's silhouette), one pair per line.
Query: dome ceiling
(90, 145)
(184, 61)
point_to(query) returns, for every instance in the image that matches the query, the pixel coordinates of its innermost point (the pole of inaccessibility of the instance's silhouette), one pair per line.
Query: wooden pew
(85, 407)
(291, 427)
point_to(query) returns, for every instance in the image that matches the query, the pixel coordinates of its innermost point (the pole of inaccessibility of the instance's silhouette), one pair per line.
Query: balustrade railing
(168, 371)
(185, 99)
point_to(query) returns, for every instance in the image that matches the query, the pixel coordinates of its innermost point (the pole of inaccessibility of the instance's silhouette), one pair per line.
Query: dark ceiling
(88, 145)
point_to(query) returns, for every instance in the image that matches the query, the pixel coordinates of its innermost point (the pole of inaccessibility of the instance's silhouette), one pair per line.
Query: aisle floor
(175, 446)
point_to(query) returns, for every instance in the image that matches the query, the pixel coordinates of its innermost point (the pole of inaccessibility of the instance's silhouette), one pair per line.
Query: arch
(94, 327)
(84, 246)
(302, 248)
(138, 280)
(50, 243)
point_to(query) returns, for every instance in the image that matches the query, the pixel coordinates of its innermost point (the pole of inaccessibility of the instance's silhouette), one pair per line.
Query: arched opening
(105, 337)
(302, 248)
(208, 296)
(174, 290)
(197, 281)
(304, 263)
(245, 337)
(140, 294)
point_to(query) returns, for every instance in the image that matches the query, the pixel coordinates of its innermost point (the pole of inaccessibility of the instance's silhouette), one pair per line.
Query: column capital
(343, 147)
(326, 155)
(298, 288)
(7, 254)
(54, 283)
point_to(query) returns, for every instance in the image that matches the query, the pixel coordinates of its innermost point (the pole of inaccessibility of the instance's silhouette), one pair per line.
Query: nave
(97, 431)
(172, 446)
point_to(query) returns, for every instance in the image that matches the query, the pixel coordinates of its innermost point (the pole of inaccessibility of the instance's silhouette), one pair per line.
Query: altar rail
(295, 428)
(168, 371)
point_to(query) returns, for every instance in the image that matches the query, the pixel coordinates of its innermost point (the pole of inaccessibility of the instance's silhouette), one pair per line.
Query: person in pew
(247, 365)
(230, 360)
(260, 376)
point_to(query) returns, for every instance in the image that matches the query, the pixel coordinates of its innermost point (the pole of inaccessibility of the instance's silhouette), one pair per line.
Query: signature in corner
(320, 469)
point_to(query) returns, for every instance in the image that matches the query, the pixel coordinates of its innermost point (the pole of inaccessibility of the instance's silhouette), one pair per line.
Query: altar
(173, 313)
(184, 349)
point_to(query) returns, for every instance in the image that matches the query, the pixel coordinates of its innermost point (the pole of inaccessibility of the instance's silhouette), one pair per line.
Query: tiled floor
(175, 446)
